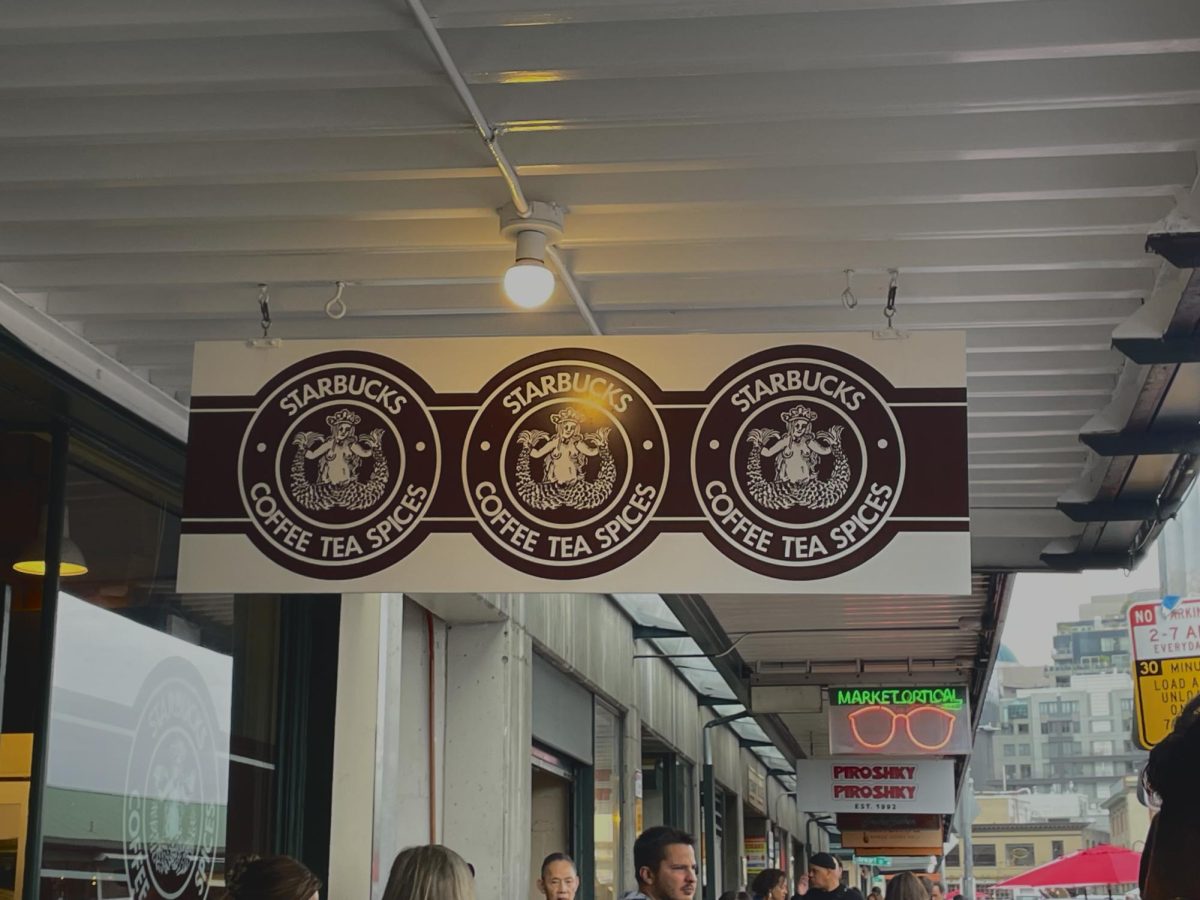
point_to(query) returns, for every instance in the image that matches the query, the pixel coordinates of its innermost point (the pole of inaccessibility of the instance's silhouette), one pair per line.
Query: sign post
(1165, 639)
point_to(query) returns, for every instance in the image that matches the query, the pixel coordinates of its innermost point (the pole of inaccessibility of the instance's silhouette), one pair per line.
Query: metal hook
(336, 308)
(848, 299)
(889, 308)
(264, 308)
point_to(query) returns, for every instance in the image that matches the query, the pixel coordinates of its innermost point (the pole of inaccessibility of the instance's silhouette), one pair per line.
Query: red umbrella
(1103, 864)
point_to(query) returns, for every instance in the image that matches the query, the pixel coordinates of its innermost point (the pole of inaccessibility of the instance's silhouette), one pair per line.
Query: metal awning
(729, 166)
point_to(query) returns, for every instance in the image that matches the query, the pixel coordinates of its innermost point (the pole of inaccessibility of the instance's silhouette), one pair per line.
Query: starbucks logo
(338, 465)
(173, 787)
(798, 463)
(565, 464)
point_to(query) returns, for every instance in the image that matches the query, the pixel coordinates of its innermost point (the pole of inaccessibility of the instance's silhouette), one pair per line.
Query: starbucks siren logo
(340, 455)
(797, 456)
(564, 460)
(564, 466)
(173, 787)
(338, 465)
(798, 463)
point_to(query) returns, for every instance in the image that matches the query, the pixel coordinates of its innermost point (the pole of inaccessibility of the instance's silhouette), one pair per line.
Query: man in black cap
(825, 880)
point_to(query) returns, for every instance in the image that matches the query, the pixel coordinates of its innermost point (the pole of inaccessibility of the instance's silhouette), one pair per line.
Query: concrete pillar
(351, 827)
(735, 847)
(631, 756)
(489, 695)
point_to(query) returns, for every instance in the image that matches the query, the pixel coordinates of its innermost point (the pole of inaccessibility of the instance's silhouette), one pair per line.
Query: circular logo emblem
(798, 463)
(172, 788)
(564, 465)
(338, 466)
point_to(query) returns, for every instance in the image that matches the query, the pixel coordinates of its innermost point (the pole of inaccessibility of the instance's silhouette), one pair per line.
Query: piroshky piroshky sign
(728, 463)
(1165, 638)
(912, 720)
(873, 784)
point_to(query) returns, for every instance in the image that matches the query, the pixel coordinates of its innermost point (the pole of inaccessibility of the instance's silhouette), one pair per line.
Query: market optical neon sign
(951, 698)
(899, 721)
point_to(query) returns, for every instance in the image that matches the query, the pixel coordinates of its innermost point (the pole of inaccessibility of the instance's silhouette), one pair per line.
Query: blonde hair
(431, 872)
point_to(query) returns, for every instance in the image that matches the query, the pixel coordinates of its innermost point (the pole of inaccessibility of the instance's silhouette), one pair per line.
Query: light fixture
(31, 560)
(528, 283)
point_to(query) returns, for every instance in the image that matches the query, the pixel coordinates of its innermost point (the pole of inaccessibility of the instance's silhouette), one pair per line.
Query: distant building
(1128, 818)
(1073, 739)
(1098, 641)
(1065, 728)
(1008, 838)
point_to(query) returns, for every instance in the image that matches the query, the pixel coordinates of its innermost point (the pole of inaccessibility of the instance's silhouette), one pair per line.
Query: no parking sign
(1165, 637)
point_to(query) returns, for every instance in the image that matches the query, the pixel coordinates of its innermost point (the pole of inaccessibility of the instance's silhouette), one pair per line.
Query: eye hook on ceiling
(889, 308)
(336, 308)
(264, 309)
(848, 299)
(891, 333)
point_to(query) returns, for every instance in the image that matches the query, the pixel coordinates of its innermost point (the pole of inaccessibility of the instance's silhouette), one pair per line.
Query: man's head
(936, 892)
(559, 880)
(665, 862)
(823, 873)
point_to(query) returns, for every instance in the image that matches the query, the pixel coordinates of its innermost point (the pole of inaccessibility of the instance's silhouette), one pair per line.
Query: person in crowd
(875, 893)
(935, 890)
(728, 895)
(1168, 868)
(558, 880)
(927, 884)
(825, 880)
(906, 886)
(742, 895)
(664, 861)
(801, 886)
(429, 872)
(769, 884)
(270, 878)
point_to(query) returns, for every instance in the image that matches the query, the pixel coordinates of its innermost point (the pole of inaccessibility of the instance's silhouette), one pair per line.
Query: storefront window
(607, 809)
(162, 748)
(24, 488)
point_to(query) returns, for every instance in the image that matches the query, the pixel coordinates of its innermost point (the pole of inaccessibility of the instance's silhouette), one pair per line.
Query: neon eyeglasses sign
(899, 721)
(929, 727)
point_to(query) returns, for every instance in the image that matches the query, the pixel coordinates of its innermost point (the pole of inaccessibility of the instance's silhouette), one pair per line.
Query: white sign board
(679, 463)
(867, 784)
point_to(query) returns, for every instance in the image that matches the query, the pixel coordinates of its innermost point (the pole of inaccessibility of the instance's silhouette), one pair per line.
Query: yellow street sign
(1165, 640)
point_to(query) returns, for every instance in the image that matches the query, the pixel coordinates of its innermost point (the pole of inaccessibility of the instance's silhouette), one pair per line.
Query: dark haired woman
(270, 878)
(1173, 842)
(769, 884)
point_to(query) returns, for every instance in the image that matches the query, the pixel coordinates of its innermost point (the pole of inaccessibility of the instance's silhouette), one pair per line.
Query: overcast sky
(1040, 602)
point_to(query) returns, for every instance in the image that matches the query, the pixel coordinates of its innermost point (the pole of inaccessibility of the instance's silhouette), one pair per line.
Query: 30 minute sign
(1166, 665)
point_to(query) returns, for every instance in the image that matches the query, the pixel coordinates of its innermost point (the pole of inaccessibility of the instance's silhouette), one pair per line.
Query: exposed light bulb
(528, 283)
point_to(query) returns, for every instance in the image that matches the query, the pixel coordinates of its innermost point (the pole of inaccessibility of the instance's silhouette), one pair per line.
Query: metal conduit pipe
(568, 281)
(490, 135)
(491, 139)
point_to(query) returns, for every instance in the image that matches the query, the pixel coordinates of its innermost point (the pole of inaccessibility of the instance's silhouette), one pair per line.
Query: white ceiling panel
(722, 163)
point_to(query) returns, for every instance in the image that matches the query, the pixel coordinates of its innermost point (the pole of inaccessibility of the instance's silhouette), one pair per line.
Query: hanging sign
(756, 788)
(756, 854)
(867, 784)
(1165, 637)
(912, 833)
(900, 721)
(676, 463)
